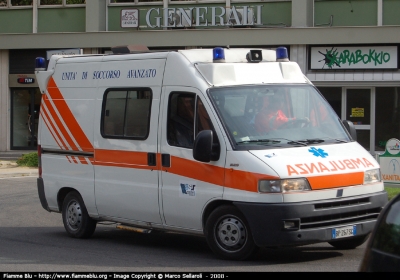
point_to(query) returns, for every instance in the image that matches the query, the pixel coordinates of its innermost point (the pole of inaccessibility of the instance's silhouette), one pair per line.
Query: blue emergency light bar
(218, 55)
(40, 63)
(282, 54)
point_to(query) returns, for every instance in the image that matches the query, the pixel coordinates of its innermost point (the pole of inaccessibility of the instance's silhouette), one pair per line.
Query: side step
(135, 229)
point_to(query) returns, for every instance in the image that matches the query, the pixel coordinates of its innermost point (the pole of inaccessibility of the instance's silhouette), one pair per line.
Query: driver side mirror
(350, 128)
(203, 148)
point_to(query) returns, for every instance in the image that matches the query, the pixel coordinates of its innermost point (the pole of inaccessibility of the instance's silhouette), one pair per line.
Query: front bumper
(313, 221)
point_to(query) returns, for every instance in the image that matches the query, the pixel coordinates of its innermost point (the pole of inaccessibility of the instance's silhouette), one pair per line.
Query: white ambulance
(236, 145)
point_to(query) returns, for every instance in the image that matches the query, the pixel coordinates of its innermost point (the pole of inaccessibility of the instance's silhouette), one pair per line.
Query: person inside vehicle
(271, 115)
(183, 122)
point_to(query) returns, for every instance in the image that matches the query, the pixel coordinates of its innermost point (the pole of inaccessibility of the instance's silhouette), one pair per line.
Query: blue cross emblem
(318, 152)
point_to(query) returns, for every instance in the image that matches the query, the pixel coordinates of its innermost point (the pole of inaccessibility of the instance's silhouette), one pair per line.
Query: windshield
(272, 116)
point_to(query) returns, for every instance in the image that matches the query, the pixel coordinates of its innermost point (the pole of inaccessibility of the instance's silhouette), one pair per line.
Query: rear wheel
(349, 243)
(228, 234)
(76, 219)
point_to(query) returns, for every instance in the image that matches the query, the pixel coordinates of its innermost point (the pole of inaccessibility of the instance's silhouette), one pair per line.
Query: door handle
(166, 160)
(151, 159)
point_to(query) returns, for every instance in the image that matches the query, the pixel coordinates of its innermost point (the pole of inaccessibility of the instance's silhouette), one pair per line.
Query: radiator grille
(351, 217)
(342, 203)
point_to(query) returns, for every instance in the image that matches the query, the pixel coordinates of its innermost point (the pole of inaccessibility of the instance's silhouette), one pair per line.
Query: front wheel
(76, 219)
(352, 243)
(228, 234)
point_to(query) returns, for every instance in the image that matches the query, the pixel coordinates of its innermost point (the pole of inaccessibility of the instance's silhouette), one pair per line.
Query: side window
(203, 121)
(180, 123)
(126, 113)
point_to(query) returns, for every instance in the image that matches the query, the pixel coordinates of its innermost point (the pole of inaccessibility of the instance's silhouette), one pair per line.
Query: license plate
(344, 232)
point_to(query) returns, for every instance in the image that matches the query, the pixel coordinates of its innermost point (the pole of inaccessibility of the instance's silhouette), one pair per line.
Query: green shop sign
(365, 57)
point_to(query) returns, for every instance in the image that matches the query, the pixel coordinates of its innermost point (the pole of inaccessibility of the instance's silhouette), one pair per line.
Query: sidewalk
(9, 168)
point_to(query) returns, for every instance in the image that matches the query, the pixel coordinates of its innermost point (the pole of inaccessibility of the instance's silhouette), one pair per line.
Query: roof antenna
(227, 47)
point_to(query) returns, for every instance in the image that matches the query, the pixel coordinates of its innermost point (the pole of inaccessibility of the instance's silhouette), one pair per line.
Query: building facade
(348, 49)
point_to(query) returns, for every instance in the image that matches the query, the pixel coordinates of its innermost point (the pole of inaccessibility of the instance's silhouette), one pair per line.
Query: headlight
(285, 185)
(372, 176)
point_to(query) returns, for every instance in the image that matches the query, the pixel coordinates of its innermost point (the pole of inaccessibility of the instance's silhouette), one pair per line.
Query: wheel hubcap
(74, 215)
(231, 233)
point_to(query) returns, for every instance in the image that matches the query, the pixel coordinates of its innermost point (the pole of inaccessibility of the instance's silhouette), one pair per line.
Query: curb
(18, 172)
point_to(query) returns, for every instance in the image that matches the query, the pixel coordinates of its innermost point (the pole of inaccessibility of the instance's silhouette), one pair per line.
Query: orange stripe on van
(68, 117)
(53, 126)
(236, 179)
(59, 124)
(82, 160)
(335, 181)
(197, 170)
(244, 180)
(50, 128)
(122, 159)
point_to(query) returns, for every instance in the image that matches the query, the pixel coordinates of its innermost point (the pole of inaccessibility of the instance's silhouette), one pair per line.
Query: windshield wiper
(292, 142)
(338, 140)
(317, 141)
(259, 141)
(312, 141)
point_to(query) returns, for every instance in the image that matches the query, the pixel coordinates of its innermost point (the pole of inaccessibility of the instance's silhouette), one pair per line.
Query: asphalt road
(34, 240)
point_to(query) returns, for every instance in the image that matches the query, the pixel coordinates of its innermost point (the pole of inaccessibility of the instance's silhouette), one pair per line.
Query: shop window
(132, 1)
(345, 13)
(126, 113)
(18, 3)
(50, 2)
(74, 2)
(21, 2)
(387, 116)
(25, 107)
(183, 1)
(61, 2)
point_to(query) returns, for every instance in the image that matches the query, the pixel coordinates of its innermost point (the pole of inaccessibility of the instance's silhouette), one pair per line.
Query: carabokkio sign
(353, 57)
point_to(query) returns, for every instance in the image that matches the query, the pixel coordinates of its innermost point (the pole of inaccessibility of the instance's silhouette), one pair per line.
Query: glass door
(358, 109)
(25, 105)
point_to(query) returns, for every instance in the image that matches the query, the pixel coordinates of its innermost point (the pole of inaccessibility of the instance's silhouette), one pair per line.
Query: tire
(228, 234)
(347, 244)
(76, 219)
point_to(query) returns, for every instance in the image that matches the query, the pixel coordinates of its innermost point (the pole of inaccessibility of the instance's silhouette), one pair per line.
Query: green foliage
(392, 192)
(29, 160)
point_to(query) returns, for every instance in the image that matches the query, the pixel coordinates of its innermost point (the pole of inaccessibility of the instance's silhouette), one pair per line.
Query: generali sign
(199, 17)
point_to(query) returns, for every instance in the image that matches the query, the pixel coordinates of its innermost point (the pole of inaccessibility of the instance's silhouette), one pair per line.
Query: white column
(4, 102)
(96, 15)
(380, 13)
(35, 16)
(302, 13)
